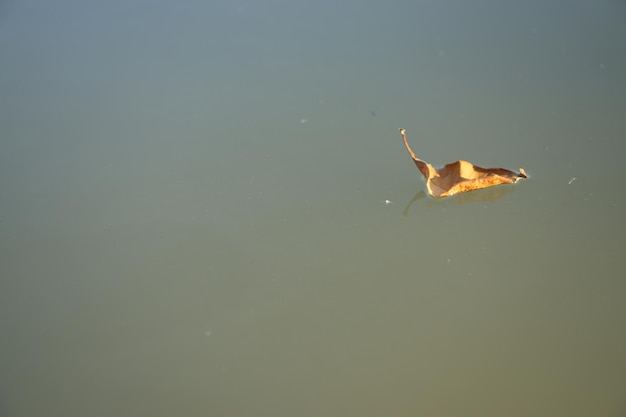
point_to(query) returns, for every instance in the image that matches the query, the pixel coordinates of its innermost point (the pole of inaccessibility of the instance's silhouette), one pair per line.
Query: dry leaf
(461, 176)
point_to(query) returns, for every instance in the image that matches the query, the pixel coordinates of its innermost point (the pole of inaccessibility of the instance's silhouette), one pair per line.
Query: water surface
(193, 217)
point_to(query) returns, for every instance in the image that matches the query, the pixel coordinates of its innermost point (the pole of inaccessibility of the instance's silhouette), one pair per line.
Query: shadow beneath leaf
(478, 196)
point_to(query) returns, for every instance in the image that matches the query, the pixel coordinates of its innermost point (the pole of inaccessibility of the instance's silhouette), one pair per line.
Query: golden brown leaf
(461, 176)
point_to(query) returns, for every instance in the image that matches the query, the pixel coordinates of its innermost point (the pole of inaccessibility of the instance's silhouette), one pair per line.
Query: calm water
(192, 216)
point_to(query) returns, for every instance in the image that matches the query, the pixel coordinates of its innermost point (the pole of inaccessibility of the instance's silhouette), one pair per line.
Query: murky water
(193, 216)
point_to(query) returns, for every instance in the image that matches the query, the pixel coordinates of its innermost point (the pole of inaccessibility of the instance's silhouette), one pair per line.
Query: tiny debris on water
(386, 201)
(571, 181)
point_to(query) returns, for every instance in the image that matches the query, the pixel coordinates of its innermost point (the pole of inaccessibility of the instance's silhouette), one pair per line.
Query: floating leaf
(461, 176)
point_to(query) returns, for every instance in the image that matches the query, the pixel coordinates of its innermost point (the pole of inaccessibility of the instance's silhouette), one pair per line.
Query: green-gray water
(193, 217)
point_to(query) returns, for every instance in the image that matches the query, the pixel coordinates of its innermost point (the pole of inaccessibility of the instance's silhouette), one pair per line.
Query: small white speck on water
(387, 202)
(572, 180)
